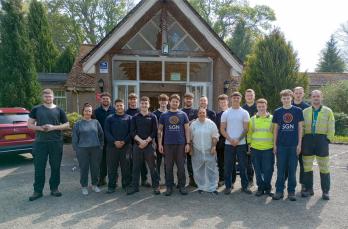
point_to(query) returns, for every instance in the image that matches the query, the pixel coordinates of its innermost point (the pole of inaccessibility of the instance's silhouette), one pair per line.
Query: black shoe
(157, 191)
(200, 191)
(132, 190)
(35, 196)
(177, 186)
(247, 191)
(227, 191)
(145, 184)
(303, 188)
(110, 191)
(192, 182)
(325, 196)
(215, 192)
(291, 196)
(183, 191)
(56, 193)
(278, 196)
(269, 193)
(307, 193)
(259, 193)
(102, 182)
(169, 191)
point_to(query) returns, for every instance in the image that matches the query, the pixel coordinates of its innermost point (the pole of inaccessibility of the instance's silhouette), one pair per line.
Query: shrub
(341, 124)
(335, 96)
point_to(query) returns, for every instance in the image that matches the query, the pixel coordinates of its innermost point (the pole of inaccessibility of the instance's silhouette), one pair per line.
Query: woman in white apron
(204, 135)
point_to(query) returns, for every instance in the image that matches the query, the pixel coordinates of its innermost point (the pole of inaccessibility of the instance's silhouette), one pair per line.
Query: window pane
(200, 72)
(151, 71)
(121, 92)
(151, 33)
(138, 43)
(125, 70)
(176, 71)
(186, 45)
(175, 33)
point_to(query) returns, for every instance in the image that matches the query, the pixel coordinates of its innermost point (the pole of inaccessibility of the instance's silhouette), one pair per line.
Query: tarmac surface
(145, 210)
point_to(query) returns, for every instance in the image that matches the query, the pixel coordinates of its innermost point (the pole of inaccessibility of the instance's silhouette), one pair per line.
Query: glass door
(198, 90)
(123, 88)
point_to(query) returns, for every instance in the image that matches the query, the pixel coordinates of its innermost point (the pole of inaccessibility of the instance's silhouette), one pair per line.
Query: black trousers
(175, 153)
(43, 151)
(189, 165)
(143, 169)
(140, 156)
(116, 157)
(103, 165)
(159, 158)
(89, 160)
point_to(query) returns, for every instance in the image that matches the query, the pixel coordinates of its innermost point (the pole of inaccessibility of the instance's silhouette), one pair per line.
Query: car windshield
(13, 118)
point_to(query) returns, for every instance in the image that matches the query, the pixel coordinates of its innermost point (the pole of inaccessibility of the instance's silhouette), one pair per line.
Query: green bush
(335, 96)
(341, 124)
(73, 118)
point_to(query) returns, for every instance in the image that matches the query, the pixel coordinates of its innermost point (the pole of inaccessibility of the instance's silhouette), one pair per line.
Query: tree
(242, 41)
(66, 60)
(89, 20)
(236, 22)
(335, 96)
(17, 71)
(330, 59)
(342, 37)
(40, 36)
(271, 67)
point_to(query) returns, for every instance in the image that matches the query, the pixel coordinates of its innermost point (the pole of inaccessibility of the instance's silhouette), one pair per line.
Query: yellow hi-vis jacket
(325, 122)
(260, 133)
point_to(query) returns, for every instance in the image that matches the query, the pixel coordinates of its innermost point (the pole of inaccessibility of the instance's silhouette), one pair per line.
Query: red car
(15, 136)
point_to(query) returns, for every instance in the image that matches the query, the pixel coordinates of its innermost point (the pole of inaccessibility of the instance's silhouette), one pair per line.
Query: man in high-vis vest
(260, 138)
(319, 129)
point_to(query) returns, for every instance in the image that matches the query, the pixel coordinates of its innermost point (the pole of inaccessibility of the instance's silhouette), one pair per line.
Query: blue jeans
(263, 161)
(286, 158)
(230, 163)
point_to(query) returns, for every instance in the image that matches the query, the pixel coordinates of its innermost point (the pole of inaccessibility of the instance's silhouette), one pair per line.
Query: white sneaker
(95, 189)
(84, 191)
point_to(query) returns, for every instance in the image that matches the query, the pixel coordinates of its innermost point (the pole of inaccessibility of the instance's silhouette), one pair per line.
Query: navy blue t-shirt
(288, 120)
(302, 105)
(191, 113)
(174, 127)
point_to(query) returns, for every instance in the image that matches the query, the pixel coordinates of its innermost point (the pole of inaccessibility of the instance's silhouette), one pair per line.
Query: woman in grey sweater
(87, 141)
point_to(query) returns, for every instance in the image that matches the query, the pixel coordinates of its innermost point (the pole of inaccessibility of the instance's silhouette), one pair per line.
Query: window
(125, 70)
(200, 72)
(60, 98)
(175, 71)
(151, 71)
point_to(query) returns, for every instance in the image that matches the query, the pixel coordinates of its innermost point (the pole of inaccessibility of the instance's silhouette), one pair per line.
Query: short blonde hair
(286, 92)
(47, 91)
(262, 100)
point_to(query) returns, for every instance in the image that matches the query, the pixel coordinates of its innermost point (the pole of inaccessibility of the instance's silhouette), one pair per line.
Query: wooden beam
(159, 53)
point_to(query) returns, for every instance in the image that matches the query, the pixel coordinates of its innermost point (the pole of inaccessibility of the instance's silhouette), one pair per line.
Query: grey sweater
(87, 134)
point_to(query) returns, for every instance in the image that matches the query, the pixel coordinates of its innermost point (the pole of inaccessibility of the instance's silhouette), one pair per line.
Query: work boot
(227, 191)
(278, 196)
(56, 193)
(146, 184)
(132, 190)
(269, 193)
(157, 191)
(259, 193)
(169, 191)
(192, 182)
(101, 182)
(291, 196)
(307, 193)
(110, 190)
(326, 196)
(183, 191)
(247, 190)
(35, 196)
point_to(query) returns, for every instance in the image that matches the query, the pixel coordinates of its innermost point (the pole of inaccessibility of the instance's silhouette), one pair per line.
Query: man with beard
(101, 113)
(203, 103)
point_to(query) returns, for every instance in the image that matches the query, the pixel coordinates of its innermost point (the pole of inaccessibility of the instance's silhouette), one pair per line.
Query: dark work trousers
(189, 165)
(103, 165)
(230, 155)
(300, 162)
(250, 169)
(263, 161)
(89, 159)
(220, 148)
(175, 153)
(139, 157)
(143, 169)
(116, 157)
(159, 158)
(53, 151)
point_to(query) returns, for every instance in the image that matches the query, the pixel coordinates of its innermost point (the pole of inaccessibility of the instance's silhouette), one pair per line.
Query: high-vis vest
(325, 123)
(260, 133)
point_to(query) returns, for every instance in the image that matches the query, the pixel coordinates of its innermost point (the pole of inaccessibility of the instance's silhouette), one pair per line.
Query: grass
(340, 139)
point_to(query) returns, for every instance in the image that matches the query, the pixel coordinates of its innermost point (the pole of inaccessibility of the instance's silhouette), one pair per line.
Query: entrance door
(198, 90)
(123, 88)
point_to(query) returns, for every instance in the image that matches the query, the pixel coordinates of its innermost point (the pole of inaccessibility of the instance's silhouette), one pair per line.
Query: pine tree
(330, 58)
(241, 42)
(271, 67)
(40, 36)
(66, 60)
(17, 71)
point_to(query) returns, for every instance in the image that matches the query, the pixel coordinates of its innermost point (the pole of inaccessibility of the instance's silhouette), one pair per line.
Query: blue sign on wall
(103, 67)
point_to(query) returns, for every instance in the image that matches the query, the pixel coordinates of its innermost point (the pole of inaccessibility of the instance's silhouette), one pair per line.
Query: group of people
(214, 146)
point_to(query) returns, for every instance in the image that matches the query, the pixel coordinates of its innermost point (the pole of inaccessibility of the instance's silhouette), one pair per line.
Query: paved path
(144, 210)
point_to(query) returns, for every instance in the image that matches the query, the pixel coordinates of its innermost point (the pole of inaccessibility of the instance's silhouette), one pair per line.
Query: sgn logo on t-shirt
(288, 125)
(174, 121)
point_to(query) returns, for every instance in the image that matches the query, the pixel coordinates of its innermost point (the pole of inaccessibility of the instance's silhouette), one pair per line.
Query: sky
(307, 24)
